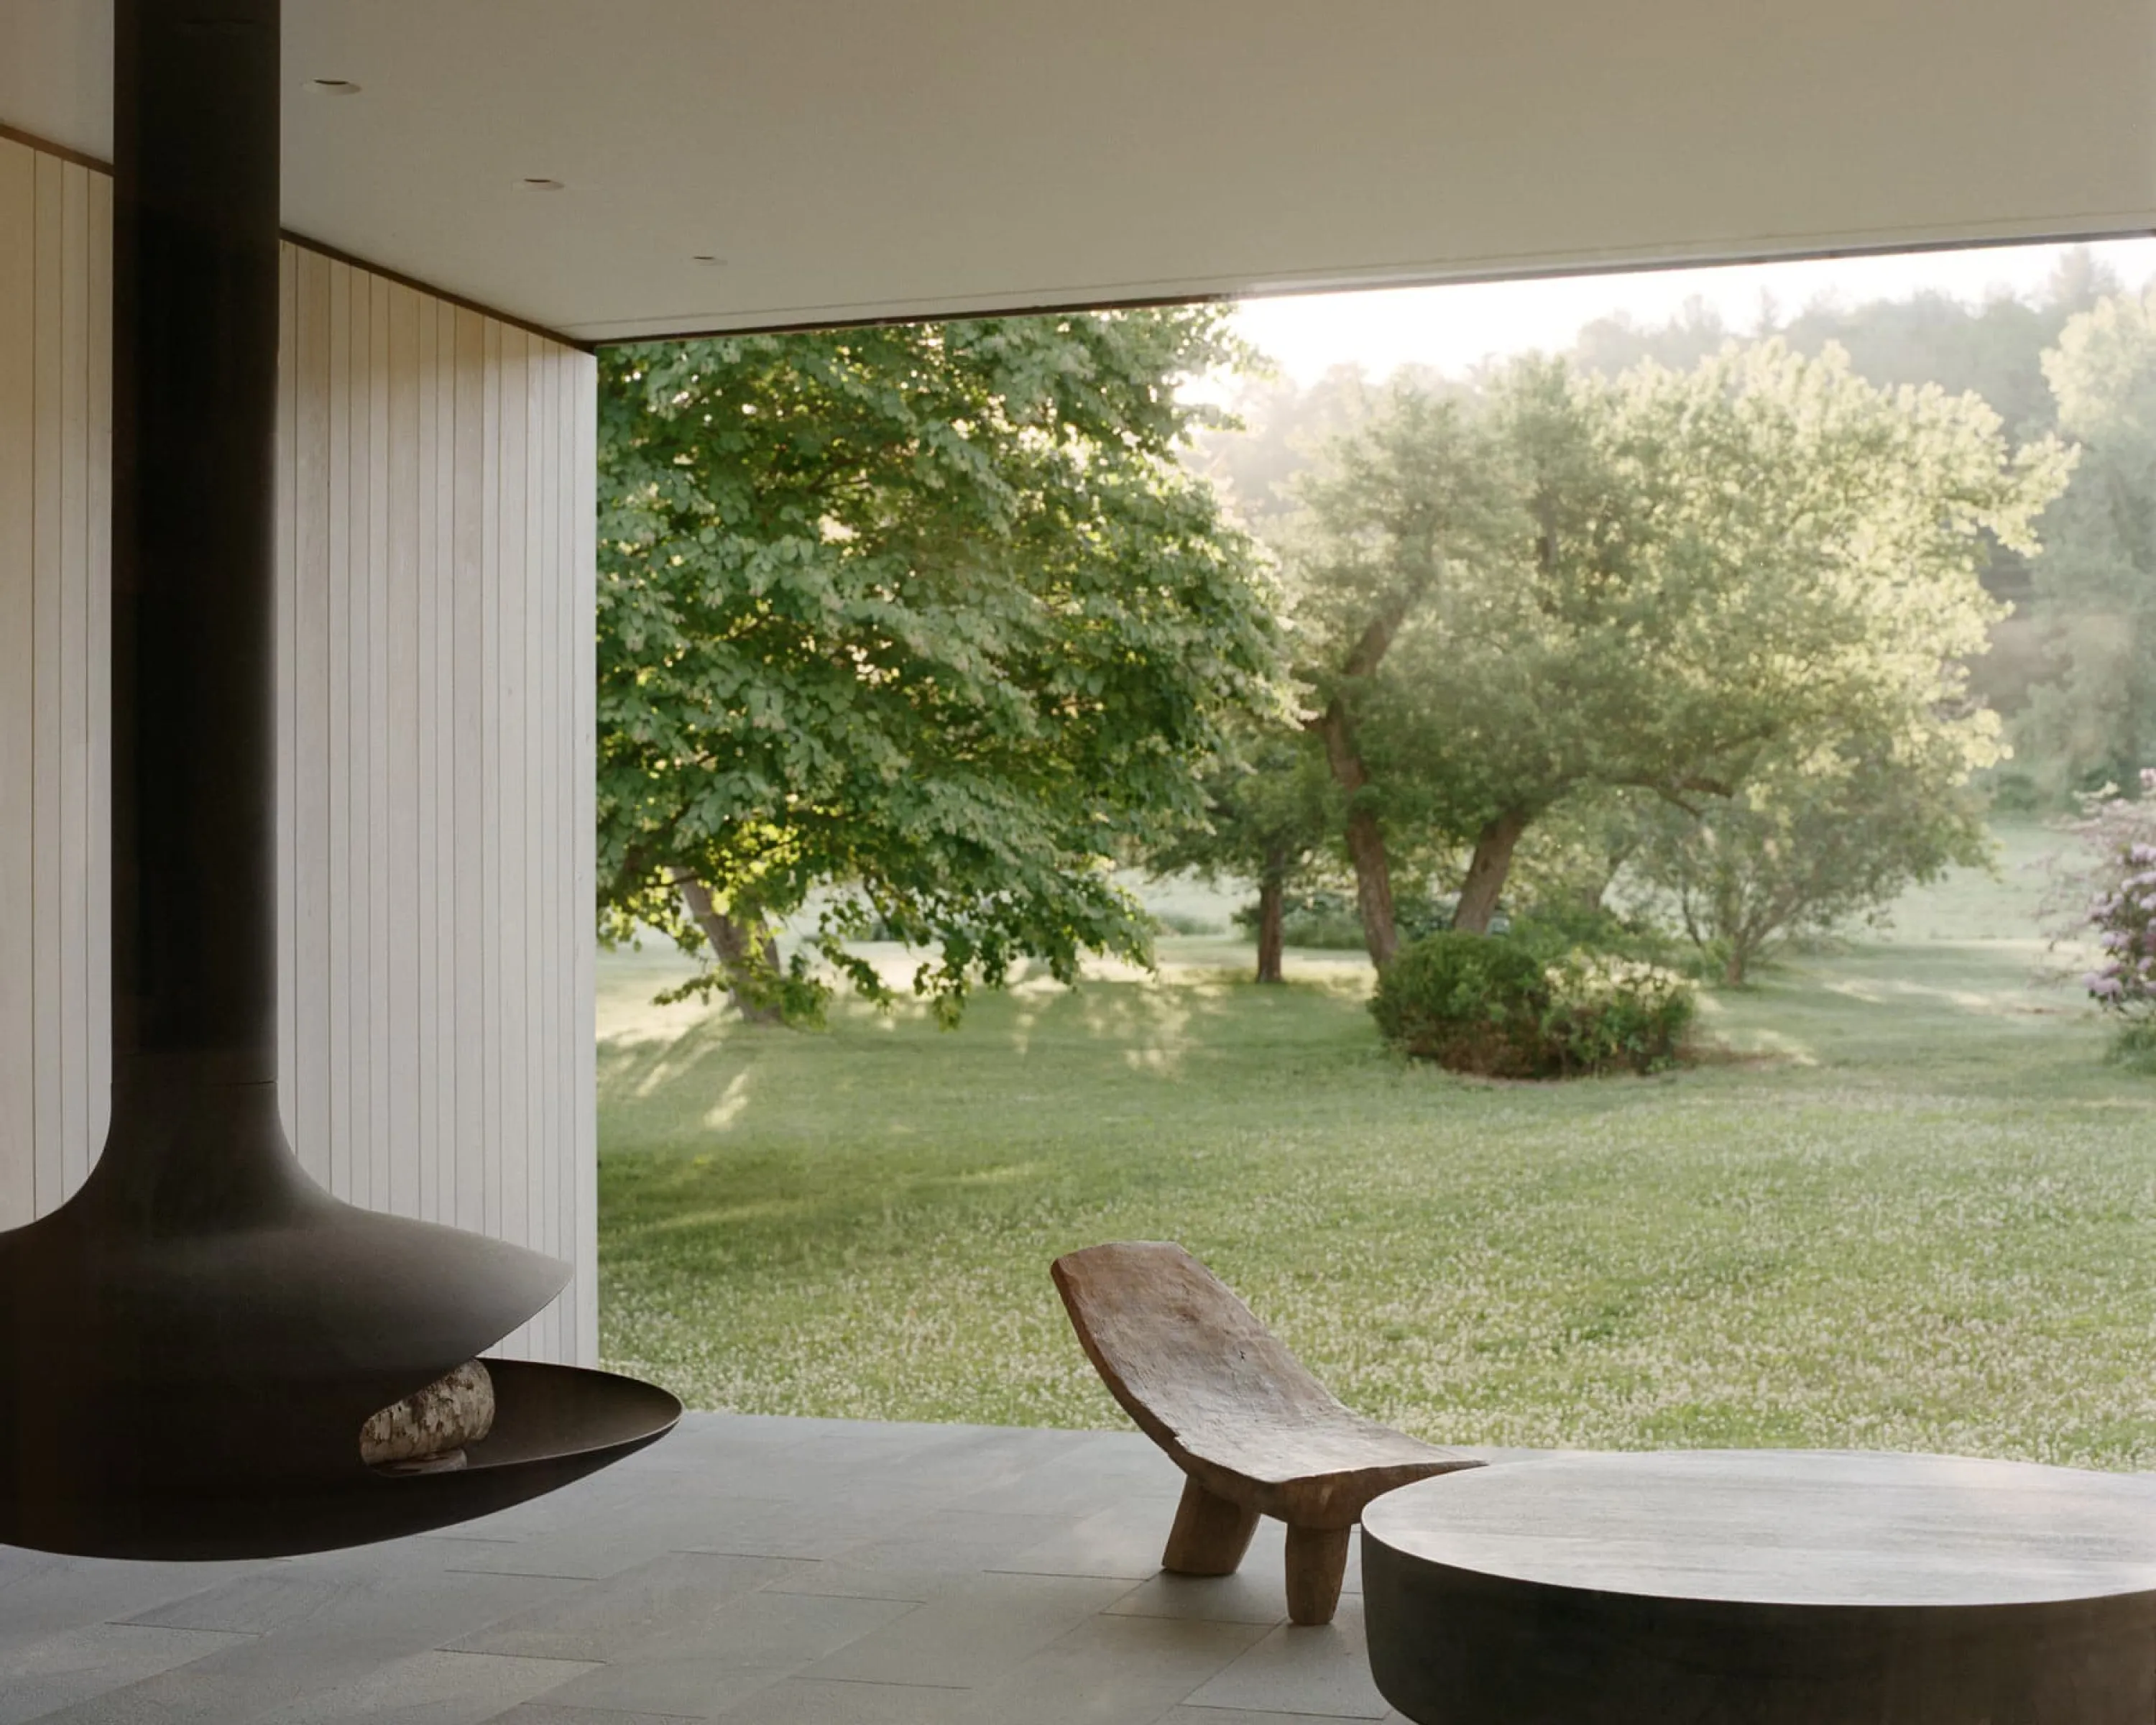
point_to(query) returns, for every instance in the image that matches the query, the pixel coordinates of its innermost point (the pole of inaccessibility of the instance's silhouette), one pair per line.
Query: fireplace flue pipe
(189, 1346)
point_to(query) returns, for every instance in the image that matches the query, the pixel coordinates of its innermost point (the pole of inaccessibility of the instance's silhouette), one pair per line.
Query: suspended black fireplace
(189, 1347)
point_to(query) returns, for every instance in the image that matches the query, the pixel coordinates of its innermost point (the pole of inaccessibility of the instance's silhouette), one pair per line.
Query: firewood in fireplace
(427, 1431)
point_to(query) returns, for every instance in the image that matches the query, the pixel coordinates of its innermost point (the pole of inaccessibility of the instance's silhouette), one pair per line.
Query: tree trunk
(1733, 917)
(1737, 966)
(1271, 891)
(1487, 870)
(738, 946)
(1374, 886)
(1365, 839)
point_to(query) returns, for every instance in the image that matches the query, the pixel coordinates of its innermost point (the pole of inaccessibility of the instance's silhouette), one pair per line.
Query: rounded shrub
(1608, 1012)
(1470, 1002)
(1489, 1004)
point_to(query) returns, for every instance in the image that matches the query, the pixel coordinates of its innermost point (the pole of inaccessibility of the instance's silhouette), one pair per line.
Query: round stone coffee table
(1765, 1587)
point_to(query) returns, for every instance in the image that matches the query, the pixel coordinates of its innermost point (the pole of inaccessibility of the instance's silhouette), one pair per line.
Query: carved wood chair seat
(1255, 1433)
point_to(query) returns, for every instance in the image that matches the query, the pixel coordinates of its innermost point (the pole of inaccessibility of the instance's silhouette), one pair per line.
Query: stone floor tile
(972, 1634)
(1244, 1597)
(253, 1604)
(670, 1686)
(956, 1539)
(445, 1551)
(1188, 1715)
(818, 1702)
(668, 1597)
(16, 1562)
(756, 1640)
(970, 1459)
(1323, 1671)
(362, 1630)
(1098, 1468)
(795, 1527)
(1256, 1593)
(783, 1629)
(1123, 1540)
(47, 1596)
(548, 1712)
(589, 1499)
(753, 1570)
(43, 1676)
(433, 1688)
(837, 1577)
(1111, 1672)
(591, 1549)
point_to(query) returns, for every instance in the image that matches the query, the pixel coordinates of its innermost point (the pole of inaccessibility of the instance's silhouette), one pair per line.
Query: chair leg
(1316, 1565)
(1210, 1533)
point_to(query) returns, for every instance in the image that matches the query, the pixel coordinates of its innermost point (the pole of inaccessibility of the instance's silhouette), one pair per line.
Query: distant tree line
(923, 632)
(2069, 663)
(1712, 624)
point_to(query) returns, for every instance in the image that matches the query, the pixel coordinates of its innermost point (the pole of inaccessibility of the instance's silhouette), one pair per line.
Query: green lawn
(1912, 1209)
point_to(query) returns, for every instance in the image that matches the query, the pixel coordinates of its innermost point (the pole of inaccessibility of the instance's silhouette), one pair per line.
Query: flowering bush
(2083, 879)
(1607, 1012)
(2123, 920)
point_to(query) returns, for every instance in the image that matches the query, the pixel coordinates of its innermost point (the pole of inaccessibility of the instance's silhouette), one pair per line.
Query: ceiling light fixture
(332, 86)
(536, 183)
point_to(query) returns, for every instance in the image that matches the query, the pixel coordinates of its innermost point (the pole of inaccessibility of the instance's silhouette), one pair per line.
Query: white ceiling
(858, 158)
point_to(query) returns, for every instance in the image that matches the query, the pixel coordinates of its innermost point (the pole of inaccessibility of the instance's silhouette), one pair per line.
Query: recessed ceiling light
(332, 86)
(534, 184)
(707, 258)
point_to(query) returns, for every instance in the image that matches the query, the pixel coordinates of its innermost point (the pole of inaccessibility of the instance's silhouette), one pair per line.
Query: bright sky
(1455, 328)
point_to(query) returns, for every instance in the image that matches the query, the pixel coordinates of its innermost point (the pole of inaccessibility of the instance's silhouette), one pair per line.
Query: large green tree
(1820, 834)
(914, 628)
(1269, 822)
(1993, 345)
(1649, 582)
(2095, 583)
(1390, 531)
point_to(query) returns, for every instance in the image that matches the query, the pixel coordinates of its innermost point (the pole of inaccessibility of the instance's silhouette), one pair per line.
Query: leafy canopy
(1817, 836)
(913, 626)
(2095, 583)
(1666, 581)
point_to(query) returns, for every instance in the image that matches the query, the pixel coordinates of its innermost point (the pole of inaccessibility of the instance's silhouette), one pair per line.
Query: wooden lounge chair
(1254, 1432)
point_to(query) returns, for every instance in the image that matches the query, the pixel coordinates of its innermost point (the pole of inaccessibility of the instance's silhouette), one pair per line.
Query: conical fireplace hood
(189, 1347)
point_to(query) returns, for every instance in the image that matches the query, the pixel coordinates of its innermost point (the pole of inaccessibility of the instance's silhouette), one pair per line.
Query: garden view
(1608, 890)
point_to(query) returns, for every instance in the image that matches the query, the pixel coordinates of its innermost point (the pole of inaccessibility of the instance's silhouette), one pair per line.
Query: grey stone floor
(765, 1572)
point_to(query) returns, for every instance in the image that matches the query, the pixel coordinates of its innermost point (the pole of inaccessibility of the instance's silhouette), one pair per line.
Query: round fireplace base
(552, 1425)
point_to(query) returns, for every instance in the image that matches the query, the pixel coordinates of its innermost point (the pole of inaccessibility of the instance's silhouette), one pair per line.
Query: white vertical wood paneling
(490, 835)
(305, 593)
(442, 873)
(55, 631)
(434, 533)
(100, 648)
(425, 645)
(47, 459)
(511, 1117)
(335, 979)
(381, 986)
(398, 1088)
(579, 1045)
(467, 872)
(75, 463)
(287, 660)
(19, 445)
